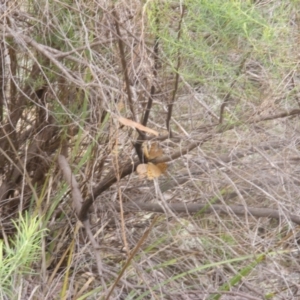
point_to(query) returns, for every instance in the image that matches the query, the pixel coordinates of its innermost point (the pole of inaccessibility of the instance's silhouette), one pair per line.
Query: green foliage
(216, 36)
(204, 267)
(74, 56)
(238, 277)
(19, 254)
(61, 19)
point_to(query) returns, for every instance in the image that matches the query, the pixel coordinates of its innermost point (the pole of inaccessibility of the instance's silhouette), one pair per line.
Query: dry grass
(223, 222)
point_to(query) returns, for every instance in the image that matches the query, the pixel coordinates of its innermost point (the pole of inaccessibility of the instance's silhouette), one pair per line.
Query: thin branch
(227, 96)
(132, 254)
(170, 105)
(124, 66)
(155, 67)
(196, 207)
(291, 113)
(77, 204)
(1, 91)
(40, 48)
(182, 151)
(130, 166)
(71, 180)
(108, 181)
(278, 116)
(142, 136)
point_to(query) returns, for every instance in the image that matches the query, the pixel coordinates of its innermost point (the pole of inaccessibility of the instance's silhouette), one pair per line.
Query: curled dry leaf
(139, 126)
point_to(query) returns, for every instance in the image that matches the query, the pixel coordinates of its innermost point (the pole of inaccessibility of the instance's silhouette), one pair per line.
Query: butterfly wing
(155, 151)
(142, 170)
(153, 171)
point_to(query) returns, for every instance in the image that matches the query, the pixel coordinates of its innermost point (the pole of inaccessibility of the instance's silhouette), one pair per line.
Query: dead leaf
(139, 126)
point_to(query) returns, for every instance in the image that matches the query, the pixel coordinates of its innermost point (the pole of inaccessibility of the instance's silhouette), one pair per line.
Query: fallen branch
(226, 209)
(77, 204)
(130, 166)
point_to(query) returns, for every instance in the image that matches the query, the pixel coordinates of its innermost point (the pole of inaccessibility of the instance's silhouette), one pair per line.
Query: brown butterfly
(151, 170)
(154, 151)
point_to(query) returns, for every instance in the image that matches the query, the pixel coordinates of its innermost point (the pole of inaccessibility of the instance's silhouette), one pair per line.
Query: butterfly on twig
(151, 170)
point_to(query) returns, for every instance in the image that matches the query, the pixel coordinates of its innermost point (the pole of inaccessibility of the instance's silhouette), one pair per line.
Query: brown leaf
(139, 126)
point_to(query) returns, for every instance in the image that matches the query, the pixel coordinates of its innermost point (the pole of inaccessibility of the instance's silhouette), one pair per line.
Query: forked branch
(170, 104)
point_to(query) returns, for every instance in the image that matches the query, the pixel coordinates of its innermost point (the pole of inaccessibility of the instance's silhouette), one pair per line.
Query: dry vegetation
(218, 80)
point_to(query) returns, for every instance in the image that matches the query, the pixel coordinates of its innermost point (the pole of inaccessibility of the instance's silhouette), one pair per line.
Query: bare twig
(77, 203)
(132, 254)
(278, 116)
(46, 53)
(128, 168)
(259, 212)
(124, 66)
(170, 105)
(131, 166)
(227, 96)
(152, 90)
(142, 136)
